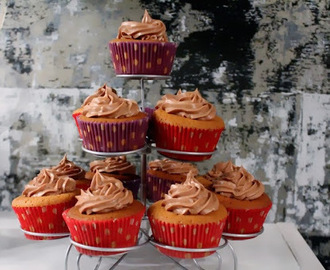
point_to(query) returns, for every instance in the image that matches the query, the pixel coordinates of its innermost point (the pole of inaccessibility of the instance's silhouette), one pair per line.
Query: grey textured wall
(263, 63)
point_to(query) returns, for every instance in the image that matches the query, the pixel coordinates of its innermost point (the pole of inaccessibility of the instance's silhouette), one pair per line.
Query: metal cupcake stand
(145, 236)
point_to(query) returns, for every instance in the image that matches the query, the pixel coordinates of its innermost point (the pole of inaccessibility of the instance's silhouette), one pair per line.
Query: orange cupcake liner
(75, 116)
(196, 236)
(186, 139)
(149, 58)
(114, 233)
(242, 221)
(46, 219)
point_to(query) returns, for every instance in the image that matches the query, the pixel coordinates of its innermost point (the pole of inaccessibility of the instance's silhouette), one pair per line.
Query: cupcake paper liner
(133, 185)
(157, 187)
(242, 221)
(153, 58)
(187, 236)
(114, 233)
(84, 185)
(75, 116)
(114, 137)
(150, 133)
(186, 139)
(44, 219)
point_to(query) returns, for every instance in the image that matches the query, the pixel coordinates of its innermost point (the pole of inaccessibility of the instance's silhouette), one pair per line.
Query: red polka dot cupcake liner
(75, 116)
(241, 221)
(113, 137)
(195, 236)
(157, 187)
(44, 219)
(148, 58)
(186, 139)
(115, 233)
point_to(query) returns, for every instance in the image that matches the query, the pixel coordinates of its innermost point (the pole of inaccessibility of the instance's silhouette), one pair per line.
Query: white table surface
(279, 247)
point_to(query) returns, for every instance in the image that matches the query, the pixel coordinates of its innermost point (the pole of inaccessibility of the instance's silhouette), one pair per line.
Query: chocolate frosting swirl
(148, 29)
(110, 105)
(106, 194)
(219, 169)
(173, 167)
(189, 104)
(98, 93)
(48, 183)
(115, 165)
(190, 197)
(235, 182)
(68, 168)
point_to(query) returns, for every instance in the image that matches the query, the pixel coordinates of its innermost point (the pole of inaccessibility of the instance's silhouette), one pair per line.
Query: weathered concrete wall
(264, 64)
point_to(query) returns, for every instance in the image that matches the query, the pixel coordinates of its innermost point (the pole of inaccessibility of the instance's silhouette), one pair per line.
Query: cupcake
(161, 174)
(242, 195)
(98, 93)
(190, 216)
(68, 168)
(110, 123)
(186, 122)
(105, 216)
(120, 168)
(39, 208)
(142, 48)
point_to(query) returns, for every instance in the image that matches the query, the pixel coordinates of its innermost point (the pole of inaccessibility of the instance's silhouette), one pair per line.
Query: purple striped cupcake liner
(134, 57)
(157, 187)
(133, 185)
(113, 137)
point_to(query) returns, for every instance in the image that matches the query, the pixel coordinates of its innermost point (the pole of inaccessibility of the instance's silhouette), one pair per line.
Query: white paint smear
(3, 10)
(311, 160)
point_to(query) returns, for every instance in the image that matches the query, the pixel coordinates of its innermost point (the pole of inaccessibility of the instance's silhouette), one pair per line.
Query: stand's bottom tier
(267, 251)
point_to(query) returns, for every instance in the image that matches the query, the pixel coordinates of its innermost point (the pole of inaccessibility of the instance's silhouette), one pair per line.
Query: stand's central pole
(142, 94)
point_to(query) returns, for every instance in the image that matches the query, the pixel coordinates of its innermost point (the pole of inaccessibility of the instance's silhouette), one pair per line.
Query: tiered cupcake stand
(144, 237)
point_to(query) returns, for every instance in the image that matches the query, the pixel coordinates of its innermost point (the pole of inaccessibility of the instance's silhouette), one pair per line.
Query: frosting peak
(109, 105)
(219, 169)
(98, 93)
(47, 182)
(68, 168)
(172, 166)
(190, 197)
(188, 104)
(116, 165)
(147, 29)
(106, 194)
(235, 182)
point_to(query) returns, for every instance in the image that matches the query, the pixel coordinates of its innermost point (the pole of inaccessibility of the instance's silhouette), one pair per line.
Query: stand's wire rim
(153, 146)
(191, 250)
(45, 234)
(143, 76)
(105, 154)
(240, 236)
(123, 249)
